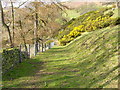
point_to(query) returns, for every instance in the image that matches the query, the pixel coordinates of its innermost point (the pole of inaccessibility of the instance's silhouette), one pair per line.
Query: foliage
(88, 22)
(47, 20)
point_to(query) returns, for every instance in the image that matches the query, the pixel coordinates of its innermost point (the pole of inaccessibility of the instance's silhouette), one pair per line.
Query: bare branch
(5, 25)
(22, 4)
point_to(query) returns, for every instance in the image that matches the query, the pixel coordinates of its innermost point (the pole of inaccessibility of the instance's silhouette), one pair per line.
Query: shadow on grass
(24, 69)
(56, 50)
(65, 77)
(41, 84)
(31, 67)
(58, 60)
(109, 81)
(103, 76)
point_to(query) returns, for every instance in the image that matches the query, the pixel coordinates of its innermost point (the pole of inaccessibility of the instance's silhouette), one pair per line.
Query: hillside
(79, 8)
(90, 21)
(90, 61)
(78, 4)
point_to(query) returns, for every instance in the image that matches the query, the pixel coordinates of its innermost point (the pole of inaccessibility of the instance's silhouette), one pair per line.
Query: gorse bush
(89, 22)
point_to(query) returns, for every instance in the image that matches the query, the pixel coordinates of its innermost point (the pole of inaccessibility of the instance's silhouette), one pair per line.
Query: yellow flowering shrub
(89, 22)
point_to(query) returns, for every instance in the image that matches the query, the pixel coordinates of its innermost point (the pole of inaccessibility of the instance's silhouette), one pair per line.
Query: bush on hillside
(66, 39)
(89, 22)
(110, 13)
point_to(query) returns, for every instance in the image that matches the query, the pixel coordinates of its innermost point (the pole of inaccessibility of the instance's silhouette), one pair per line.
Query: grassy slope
(89, 61)
(78, 20)
(81, 9)
(72, 14)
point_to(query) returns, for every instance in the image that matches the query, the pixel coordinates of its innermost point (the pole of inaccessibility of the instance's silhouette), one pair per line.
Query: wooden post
(39, 47)
(20, 56)
(29, 50)
(45, 46)
(42, 46)
(35, 47)
(49, 46)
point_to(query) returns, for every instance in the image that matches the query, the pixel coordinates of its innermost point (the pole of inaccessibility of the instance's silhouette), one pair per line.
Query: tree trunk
(35, 32)
(13, 20)
(5, 25)
(23, 37)
(25, 44)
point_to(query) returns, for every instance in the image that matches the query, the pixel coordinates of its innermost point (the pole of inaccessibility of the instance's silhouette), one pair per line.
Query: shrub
(89, 22)
(110, 13)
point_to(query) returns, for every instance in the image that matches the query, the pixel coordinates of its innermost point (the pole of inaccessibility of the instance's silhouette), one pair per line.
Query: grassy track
(90, 61)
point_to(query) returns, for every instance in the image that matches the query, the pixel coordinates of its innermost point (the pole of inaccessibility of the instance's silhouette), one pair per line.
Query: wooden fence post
(29, 51)
(39, 47)
(49, 46)
(35, 47)
(42, 46)
(45, 46)
(20, 55)
(34, 50)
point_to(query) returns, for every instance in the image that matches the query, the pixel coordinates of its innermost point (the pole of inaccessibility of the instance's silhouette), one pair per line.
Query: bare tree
(13, 19)
(5, 25)
(38, 17)
(23, 35)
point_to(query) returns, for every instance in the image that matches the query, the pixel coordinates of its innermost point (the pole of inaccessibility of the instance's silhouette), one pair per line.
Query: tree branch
(22, 4)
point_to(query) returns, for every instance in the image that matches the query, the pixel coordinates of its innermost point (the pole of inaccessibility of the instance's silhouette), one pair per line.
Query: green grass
(116, 13)
(89, 61)
(71, 14)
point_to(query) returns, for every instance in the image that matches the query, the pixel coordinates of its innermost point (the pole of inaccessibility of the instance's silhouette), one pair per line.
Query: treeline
(87, 22)
(30, 22)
